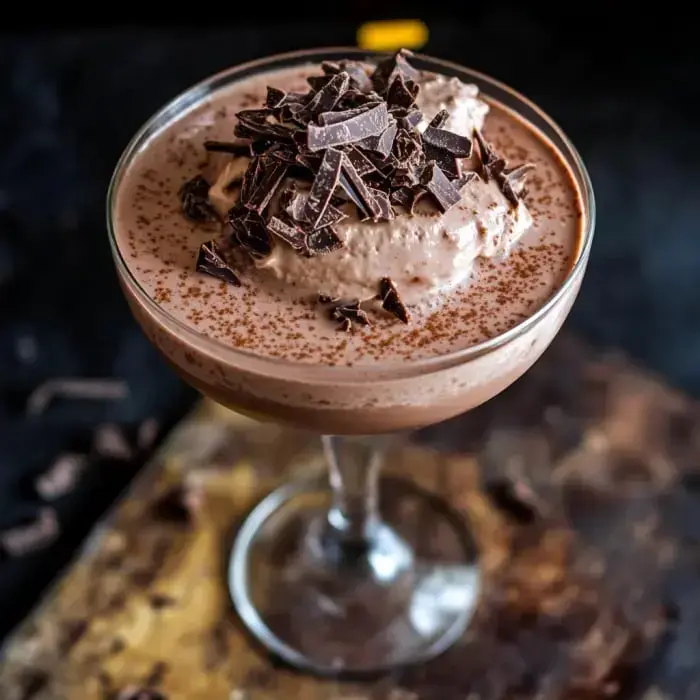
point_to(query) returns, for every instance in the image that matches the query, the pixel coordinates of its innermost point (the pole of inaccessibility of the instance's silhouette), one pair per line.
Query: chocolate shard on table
(391, 301)
(210, 261)
(194, 198)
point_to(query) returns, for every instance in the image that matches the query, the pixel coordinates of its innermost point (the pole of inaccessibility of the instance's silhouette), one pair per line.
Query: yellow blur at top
(392, 35)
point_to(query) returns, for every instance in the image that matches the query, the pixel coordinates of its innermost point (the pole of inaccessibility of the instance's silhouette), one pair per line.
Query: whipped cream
(425, 253)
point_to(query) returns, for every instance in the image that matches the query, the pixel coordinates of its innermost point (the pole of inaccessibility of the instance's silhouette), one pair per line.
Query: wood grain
(580, 483)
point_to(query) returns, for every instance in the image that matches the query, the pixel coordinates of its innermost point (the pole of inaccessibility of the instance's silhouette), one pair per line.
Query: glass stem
(353, 467)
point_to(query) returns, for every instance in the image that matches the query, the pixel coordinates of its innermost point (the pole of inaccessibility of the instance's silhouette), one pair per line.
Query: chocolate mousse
(341, 215)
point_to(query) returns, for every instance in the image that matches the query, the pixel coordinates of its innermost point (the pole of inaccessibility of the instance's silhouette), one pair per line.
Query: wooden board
(581, 485)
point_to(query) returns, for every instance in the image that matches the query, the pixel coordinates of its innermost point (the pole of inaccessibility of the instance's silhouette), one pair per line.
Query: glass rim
(174, 109)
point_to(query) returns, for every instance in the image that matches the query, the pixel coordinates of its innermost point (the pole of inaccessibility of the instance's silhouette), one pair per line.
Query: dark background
(623, 86)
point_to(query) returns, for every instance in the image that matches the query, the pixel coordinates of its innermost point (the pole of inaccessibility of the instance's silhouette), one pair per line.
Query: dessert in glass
(357, 245)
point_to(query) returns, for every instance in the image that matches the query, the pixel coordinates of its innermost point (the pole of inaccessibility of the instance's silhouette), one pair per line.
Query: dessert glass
(320, 574)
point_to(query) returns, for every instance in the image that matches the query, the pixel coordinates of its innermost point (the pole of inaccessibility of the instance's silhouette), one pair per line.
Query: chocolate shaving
(490, 164)
(362, 164)
(512, 182)
(288, 232)
(407, 148)
(442, 190)
(369, 123)
(324, 185)
(445, 161)
(210, 261)
(357, 190)
(194, 196)
(402, 92)
(357, 73)
(391, 301)
(269, 175)
(382, 143)
(328, 95)
(382, 204)
(440, 119)
(349, 313)
(407, 119)
(322, 242)
(395, 65)
(331, 217)
(250, 233)
(233, 147)
(441, 139)
(275, 98)
(328, 118)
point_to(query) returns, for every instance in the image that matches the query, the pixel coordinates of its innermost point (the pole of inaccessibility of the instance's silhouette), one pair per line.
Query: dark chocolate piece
(407, 148)
(445, 160)
(357, 190)
(269, 176)
(318, 82)
(369, 123)
(250, 232)
(328, 118)
(275, 98)
(407, 119)
(383, 205)
(324, 185)
(194, 195)
(322, 242)
(359, 160)
(408, 197)
(32, 536)
(255, 123)
(491, 166)
(512, 182)
(402, 92)
(443, 191)
(210, 261)
(382, 143)
(396, 64)
(328, 95)
(455, 144)
(232, 147)
(359, 77)
(250, 178)
(440, 119)
(349, 313)
(288, 232)
(331, 216)
(292, 201)
(391, 301)
(465, 179)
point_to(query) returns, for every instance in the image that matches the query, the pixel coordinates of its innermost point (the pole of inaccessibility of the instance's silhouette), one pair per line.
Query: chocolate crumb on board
(391, 301)
(210, 261)
(61, 477)
(33, 536)
(354, 136)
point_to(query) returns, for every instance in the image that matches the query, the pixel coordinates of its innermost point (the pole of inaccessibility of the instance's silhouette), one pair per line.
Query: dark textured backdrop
(625, 92)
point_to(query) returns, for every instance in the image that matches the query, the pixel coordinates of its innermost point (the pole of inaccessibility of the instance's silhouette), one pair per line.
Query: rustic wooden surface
(581, 483)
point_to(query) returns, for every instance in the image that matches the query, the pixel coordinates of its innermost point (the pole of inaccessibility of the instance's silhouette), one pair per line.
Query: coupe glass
(319, 573)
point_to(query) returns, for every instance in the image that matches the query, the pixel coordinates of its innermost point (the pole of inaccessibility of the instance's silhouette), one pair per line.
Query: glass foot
(330, 608)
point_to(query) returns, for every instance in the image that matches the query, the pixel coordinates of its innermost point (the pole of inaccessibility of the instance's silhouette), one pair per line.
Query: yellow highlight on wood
(392, 35)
